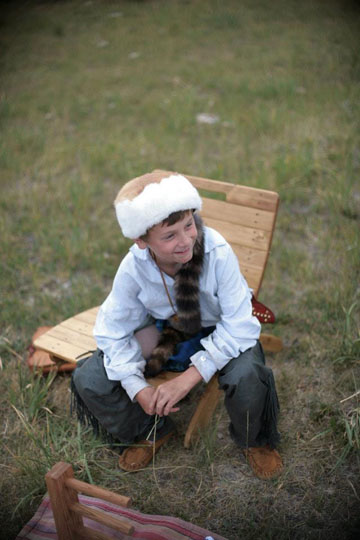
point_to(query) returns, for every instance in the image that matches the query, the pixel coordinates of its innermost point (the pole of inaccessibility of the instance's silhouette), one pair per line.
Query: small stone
(206, 118)
(102, 43)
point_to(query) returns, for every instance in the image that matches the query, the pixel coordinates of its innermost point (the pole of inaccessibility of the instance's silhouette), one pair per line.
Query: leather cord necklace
(164, 283)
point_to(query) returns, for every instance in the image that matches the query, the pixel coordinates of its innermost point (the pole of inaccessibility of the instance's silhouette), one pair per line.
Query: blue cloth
(185, 349)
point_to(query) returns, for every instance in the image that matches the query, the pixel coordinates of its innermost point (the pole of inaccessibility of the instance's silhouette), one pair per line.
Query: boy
(183, 275)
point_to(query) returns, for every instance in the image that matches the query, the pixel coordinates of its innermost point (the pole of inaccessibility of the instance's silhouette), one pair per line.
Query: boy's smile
(172, 245)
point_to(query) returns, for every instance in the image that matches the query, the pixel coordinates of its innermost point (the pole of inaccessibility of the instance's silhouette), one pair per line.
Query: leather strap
(164, 282)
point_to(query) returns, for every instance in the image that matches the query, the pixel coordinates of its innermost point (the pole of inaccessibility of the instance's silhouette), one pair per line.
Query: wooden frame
(68, 512)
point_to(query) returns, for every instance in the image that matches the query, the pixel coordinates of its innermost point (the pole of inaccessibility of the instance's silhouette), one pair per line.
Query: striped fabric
(146, 526)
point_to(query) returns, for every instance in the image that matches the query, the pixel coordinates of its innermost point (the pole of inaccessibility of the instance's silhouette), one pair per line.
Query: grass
(95, 93)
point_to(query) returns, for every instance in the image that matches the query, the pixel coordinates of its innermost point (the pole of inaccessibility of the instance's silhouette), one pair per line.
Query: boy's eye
(168, 237)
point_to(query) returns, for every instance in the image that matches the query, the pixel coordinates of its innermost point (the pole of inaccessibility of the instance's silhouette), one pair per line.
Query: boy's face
(172, 244)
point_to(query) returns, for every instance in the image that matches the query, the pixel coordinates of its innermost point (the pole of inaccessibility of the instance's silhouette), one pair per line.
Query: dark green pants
(250, 400)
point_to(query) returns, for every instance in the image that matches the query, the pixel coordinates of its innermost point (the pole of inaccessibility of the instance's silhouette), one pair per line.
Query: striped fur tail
(187, 321)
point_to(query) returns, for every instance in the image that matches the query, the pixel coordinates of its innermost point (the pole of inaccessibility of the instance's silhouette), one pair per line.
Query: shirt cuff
(133, 384)
(204, 364)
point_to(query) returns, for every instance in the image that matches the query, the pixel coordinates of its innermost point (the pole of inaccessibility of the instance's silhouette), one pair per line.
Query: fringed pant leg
(105, 405)
(251, 399)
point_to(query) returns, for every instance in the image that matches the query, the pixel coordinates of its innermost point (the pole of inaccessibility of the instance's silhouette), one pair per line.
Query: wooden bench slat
(87, 316)
(241, 236)
(253, 277)
(79, 326)
(96, 491)
(215, 186)
(237, 194)
(256, 198)
(102, 517)
(238, 214)
(72, 337)
(250, 256)
(58, 348)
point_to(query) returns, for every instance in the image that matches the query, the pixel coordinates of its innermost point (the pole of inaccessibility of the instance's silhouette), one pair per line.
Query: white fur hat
(149, 199)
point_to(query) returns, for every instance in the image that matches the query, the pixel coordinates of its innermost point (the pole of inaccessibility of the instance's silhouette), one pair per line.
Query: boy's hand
(144, 398)
(166, 395)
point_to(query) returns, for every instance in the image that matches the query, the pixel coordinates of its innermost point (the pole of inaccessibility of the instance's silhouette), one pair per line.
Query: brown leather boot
(139, 455)
(266, 462)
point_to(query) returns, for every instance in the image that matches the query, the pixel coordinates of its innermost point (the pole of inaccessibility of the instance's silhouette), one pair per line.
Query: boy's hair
(170, 220)
(151, 199)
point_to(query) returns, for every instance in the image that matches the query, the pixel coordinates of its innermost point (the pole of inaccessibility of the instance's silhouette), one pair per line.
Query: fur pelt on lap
(187, 321)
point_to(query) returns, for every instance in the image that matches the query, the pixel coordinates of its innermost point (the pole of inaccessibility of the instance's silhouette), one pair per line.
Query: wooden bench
(246, 218)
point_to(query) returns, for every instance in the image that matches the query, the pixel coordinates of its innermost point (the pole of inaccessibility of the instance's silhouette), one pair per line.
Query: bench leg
(204, 411)
(271, 343)
(67, 523)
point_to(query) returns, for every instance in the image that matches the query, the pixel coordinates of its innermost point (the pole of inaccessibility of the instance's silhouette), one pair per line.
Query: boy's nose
(185, 240)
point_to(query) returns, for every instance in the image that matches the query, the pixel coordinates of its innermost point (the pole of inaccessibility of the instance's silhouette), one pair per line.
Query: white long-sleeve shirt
(138, 291)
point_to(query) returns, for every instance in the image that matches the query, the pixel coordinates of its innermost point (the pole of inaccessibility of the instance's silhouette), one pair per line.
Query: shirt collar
(143, 254)
(213, 239)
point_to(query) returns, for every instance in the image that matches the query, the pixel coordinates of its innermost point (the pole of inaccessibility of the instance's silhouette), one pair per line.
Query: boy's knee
(239, 381)
(85, 378)
(241, 368)
(89, 373)
(91, 381)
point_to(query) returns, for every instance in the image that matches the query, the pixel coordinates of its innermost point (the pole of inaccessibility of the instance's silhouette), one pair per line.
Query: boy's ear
(140, 243)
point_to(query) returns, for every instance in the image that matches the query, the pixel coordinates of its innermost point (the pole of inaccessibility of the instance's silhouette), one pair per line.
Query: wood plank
(253, 277)
(61, 500)
(238, 214)
(254, 286)
(251, 270)
(72, 337)
(249, 256)
(60, 349)
(242, 236)
(271, 343)
(204, 411)
(79, 326)
(98, 492)
(236, 193)
(253, 197)
(216, 186)
(87, 316)
(203, 183)
(94, 514)
(92, 310)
